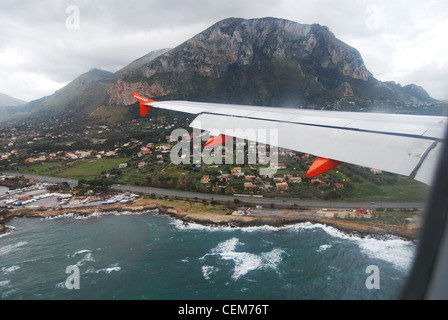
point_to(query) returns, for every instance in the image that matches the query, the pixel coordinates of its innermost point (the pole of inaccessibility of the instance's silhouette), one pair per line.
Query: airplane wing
(402, 144)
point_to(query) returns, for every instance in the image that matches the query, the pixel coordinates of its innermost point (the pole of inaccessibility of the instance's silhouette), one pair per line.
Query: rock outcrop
(264, 61)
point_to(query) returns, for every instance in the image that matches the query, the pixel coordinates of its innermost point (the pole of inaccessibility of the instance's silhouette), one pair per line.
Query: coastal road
(171, 193)
(267, 201)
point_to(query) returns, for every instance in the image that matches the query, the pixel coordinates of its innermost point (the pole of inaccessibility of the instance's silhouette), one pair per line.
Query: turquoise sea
(150, 256)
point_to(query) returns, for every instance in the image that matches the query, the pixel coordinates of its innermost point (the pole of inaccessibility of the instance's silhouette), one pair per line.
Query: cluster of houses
(5, 156)
(253, 181)
(160, 153)
(145, 150)
(9, 142)
(76, 155)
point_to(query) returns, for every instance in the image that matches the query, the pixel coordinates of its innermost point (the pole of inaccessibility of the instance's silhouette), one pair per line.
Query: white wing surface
(402, 144)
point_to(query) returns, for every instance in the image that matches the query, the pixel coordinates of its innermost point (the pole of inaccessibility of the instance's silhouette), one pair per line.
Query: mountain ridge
(266, 61)
(8, 101)
(10, 107)
(80, 97)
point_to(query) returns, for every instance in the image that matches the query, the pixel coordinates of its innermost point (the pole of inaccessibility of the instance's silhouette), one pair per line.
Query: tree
(333, 195)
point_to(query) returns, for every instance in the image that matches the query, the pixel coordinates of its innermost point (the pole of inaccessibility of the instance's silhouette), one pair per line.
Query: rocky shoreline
(357, 227)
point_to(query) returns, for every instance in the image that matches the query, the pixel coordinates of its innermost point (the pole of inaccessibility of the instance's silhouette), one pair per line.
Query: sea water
(151, 256)
(3, 190)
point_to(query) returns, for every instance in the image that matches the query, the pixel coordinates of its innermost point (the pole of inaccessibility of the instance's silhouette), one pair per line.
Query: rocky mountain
(268, 61)
(140, 62)
(265, 61)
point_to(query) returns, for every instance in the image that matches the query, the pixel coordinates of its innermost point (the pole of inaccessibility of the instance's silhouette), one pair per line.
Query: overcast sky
(46, 44)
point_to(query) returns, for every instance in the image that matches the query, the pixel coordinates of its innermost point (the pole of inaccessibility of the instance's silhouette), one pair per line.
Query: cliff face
(260, 61)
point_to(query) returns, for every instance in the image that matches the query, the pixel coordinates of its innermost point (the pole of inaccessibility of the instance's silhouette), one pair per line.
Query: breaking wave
(10, 269)
(244, 261)
(400, 253)
(11, 248)
(109, 269)
(97, 214)
(324, 247)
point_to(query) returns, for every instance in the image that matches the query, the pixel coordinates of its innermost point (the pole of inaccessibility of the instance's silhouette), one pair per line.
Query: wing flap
(427, 168)
(392, 153)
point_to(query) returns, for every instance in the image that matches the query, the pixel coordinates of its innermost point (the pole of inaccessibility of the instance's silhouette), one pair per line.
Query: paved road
(290, 202)
(221, 197)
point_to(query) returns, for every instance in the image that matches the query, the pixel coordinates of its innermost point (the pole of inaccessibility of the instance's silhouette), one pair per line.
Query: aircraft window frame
(428, 277)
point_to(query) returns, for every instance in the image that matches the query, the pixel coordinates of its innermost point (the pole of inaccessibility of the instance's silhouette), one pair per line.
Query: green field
(81, 169)
(404, 190)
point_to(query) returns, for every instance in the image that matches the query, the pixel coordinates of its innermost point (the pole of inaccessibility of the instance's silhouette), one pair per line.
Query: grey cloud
(113, 33)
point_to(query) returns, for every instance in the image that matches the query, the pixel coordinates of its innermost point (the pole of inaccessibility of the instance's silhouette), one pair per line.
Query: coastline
(201, 214)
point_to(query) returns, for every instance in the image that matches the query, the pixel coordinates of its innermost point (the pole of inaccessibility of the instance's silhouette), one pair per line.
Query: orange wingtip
(142, 100)
(322, 165)
(217, 140)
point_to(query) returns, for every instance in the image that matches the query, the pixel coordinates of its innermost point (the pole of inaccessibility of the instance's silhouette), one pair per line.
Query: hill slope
(8, 101)
(10, 107)
(79, 97)
(265, 61)
(82, 96)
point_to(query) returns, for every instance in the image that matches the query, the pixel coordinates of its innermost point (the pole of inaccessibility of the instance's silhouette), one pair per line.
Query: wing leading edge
(402, 144)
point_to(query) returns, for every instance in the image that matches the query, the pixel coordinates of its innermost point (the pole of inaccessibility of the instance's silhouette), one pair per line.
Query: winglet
(142, 100)
(322, 165)
(216, 140)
